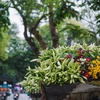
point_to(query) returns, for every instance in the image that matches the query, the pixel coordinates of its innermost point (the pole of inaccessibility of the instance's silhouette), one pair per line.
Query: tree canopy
(4, 15)
(4, 23)
(19, 55)
(54, 13)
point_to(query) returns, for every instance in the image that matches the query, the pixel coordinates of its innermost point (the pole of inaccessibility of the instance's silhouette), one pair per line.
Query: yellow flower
(90, 73)
(94, 68)
(93, 61)
(98, 57)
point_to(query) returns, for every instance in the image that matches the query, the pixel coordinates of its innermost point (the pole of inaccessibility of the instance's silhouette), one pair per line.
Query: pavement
(21, 97)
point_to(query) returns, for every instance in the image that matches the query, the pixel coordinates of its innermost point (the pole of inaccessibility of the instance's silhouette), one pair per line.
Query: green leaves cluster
(59, 73)
(4, 15)
(65, 10)
(4, 43)
(4, 23)
(94, 5)
(31, 84)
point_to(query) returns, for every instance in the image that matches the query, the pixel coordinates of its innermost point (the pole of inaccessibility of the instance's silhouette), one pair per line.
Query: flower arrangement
(69, 64)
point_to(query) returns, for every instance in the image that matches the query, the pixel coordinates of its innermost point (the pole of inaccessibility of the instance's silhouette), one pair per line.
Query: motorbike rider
(17, 86)
(15, 94)
(6, 88)
(4, 91)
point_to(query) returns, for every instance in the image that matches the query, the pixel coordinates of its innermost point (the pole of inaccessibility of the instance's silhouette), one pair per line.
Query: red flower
(87, 60)
(80, 49)
(68, 56)
(79, 52)
(87, 75)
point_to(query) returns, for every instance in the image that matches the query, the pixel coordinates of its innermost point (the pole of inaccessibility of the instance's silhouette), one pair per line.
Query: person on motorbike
(15, 94)
(6, 88)
(4, 91)
(17, 86)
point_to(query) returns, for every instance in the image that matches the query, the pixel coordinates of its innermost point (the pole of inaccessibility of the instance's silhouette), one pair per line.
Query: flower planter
(57, 92)
(77, 63)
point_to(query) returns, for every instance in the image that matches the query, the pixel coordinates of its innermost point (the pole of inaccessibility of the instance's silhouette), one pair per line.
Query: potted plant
(61, 67)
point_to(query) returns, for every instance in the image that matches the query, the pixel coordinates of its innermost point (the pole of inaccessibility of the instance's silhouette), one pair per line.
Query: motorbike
(3, 96)
(15, 96)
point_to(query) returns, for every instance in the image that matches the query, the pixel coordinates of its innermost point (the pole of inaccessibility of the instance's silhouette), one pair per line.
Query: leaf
(64, 64)
(81, 80)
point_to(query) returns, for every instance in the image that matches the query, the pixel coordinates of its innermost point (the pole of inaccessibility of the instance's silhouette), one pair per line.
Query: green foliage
(30, 84)
(13, 30)
(27, 11)
(4, 23)
(91, 18)
(4, 43)
(4, 15)
(65, 10)
(20, 56)
(74, 31)
(34, 15)
(62, 10)
(45, 32)
(95, 5)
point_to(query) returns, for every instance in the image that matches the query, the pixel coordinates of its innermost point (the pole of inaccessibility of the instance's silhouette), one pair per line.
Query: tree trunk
(39, 38)
(55, 38)
(33, 30)
(30, 40)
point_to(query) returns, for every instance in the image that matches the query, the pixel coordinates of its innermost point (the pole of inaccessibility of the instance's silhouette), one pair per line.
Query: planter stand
(57, 92)
(76, 91)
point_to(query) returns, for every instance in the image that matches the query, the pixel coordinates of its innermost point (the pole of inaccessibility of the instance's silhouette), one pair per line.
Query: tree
(74, 31)
(54, 13)
(46, 10)
(4, 43)
(4, 23)
(94, 5)
(91, 18)
(4, 15)
(19, 56)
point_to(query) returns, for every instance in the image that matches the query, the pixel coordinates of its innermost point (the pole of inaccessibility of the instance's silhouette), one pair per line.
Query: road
(21, 97)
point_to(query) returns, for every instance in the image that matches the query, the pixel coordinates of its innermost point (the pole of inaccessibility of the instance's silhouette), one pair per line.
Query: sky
(15, 18)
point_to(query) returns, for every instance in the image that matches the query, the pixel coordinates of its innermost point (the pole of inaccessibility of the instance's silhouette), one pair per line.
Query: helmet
(4, 82)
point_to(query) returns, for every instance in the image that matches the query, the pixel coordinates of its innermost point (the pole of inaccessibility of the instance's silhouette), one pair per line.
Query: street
(21, 97)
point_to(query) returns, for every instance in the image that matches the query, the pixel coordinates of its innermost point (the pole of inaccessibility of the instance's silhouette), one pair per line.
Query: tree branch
(33, 30)
(30, 40)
